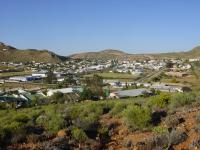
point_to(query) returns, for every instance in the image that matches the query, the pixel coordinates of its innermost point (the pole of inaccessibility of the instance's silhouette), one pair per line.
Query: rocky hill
(9, 53)
(108, 54)
(116, 54)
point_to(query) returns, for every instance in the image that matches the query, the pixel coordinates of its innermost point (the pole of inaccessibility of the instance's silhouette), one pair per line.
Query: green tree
(51, 78)
(86, 94)
(95, 85)
(69, 80)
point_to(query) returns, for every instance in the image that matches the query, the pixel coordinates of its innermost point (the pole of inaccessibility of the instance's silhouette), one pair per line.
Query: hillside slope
(9, 53)
(109, 54)
(116, 54)
(194, 53)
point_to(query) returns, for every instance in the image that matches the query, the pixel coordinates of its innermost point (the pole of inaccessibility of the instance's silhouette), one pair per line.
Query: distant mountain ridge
(12, 54)
(108, 54)
(117, 54)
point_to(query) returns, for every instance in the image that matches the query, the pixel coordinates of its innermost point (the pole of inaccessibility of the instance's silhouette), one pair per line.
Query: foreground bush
(159, 101)
(137, 117)
(181, 99)
(118, 108)
(79, 135)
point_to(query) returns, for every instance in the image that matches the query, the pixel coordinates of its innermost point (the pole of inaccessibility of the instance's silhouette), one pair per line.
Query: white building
(42, 74)
(63, 90)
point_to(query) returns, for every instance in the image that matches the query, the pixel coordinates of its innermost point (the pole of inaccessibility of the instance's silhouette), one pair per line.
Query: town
(100, 75)
(120, 78)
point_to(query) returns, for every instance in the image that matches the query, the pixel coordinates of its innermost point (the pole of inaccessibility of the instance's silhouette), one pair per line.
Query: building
(63, 90)
(170, 88)
(177, 74)
(42, 74)
(24, 78)
(129, 93)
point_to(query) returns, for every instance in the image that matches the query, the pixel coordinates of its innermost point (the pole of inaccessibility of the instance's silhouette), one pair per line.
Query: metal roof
(132, 93)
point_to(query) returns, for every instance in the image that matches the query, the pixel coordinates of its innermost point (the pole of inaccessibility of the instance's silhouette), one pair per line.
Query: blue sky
(70, 26)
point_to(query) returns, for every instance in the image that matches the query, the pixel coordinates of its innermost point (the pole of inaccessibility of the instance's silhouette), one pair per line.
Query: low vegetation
(82, 122)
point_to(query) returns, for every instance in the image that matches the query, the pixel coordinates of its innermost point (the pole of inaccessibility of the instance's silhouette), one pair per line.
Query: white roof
(63, 90)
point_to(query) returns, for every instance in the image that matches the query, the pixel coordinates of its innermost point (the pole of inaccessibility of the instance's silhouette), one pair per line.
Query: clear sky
(70, 26)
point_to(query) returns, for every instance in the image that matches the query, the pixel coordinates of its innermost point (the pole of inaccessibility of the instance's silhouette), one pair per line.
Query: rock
(57, 143)
(173, 121)
(63, 133)
(128, 143)
(177, 137)
(195, 144)
(157, 142)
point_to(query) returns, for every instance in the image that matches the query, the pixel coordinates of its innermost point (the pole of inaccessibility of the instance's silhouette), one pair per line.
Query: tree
(95, 84)
(169, 64)
(50, 77)
(86, 94)
(69, 80)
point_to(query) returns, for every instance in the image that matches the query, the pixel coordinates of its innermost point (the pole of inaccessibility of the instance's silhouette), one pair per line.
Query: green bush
(79, 135)
(118, 108)
(160, 101)
(89, 116)
(86, 94)
(159, 130)
(3, 106)
(51, 121)
(58, 97)
(137, 117)
(56, 123)
(181, 99)
(22, 118)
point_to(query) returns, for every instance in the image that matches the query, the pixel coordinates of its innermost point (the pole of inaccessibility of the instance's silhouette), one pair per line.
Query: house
(168, 88)
(194, 59)
(24, 78)
(177, 74)
(129, 93)
(42, 74)
(63, 90)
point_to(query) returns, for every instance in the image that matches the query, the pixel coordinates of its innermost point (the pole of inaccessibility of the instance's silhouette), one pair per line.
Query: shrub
(51, 121)
(181, 99)
(86, 94)
(159, 130)
(55, 123)
(118, 108)
(14, 126)
(197, 128)
(136, 117)
(159, 141)
(58, 97)
(160, 101)
(3, 106)
(42, 120)
(79, 135)
(5, 135)
(173, 121)
(22, 118)
(87, 123)
(33, 138)
(18, 137)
